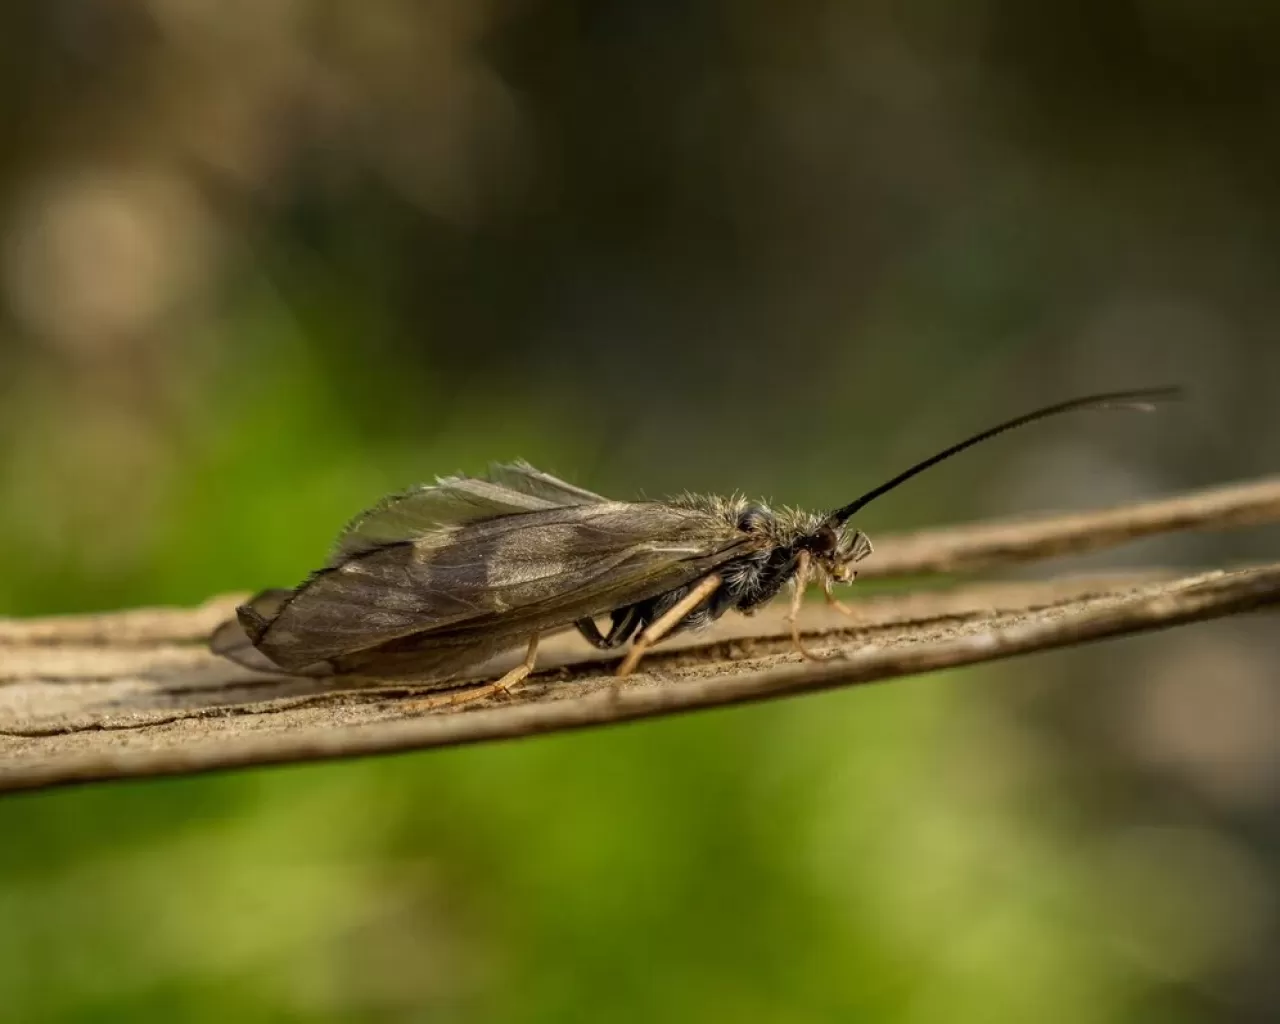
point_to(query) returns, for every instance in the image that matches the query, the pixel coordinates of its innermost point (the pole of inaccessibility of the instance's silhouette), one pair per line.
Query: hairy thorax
(777, 527)
(786, 536)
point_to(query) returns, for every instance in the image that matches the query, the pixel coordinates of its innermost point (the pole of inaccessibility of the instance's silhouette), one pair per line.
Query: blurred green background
(262, 262)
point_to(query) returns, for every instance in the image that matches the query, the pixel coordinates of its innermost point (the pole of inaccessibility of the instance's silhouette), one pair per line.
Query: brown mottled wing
(446, 652)
(479, 583)
(450, 501)
(522, 477)
(231, 639)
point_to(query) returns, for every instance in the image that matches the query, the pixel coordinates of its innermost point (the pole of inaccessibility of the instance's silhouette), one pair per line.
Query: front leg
(835, 602)
(799, 582)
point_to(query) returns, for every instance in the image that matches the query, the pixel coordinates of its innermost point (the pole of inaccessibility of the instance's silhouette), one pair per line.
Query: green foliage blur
(261, 264)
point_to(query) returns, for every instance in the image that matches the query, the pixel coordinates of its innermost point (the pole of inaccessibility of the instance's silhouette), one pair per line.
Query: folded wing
(465, 582)
(522, 477)
(450, 501)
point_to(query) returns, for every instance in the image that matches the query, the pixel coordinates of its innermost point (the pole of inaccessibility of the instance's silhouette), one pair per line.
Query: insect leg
(835, 602)
(509, 680)
(667, 621)
(619, 633)
(591, 633)
(800, 581)
(506, 684)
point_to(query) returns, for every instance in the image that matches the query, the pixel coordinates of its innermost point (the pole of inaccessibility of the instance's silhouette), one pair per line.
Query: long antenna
(1143, 401)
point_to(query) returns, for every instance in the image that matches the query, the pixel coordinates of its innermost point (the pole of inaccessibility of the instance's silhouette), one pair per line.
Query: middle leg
(625, 623)
(668, 621)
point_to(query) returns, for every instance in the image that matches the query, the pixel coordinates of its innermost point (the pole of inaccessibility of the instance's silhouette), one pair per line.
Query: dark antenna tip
(1142, 400)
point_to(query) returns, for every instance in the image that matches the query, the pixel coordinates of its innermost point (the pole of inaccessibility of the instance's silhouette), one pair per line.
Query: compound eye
(754, 518)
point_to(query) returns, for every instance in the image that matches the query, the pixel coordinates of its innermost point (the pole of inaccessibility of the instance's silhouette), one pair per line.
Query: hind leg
(509, 681)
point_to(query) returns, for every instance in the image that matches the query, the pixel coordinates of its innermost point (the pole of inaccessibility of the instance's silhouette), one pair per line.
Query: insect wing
(522, 477)
(425, 657)
(446, 503)
(235, 638)
(500, 576)
(452, 649)
(505, 490)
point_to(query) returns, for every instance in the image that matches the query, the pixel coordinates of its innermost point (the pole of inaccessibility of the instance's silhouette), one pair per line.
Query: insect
(437, 580)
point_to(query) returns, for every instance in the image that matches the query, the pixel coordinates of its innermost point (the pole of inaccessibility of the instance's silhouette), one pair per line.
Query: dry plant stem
(136, 694)
(185, 744)
(992, 544)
